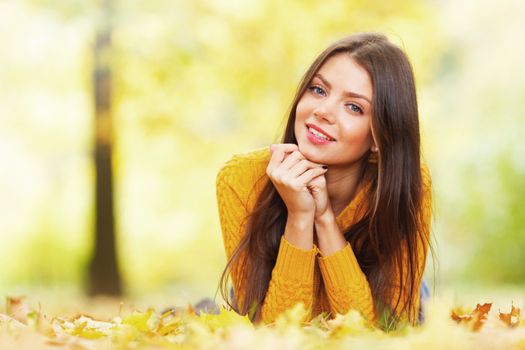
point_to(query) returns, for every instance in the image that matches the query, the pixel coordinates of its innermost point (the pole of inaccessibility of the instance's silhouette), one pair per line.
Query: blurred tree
(104, 277)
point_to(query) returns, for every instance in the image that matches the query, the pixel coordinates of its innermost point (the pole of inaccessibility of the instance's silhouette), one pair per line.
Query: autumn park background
(115, 117)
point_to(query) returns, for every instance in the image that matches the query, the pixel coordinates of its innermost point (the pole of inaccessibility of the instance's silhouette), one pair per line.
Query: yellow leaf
(139, 320)
(225, 318)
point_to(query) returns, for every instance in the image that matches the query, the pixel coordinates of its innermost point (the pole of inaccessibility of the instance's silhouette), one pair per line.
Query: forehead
(344, 74)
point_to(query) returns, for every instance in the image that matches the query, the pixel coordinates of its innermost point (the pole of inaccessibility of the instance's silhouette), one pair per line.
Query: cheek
(301, 114)
(301, 111)
(359, 134)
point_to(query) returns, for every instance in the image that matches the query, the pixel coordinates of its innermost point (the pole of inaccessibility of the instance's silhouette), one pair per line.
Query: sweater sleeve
(292, 276)
(346, 285)
(292, 281)
(232, 214)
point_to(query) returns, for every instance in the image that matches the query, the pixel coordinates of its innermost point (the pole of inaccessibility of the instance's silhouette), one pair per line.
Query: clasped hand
(300, 182)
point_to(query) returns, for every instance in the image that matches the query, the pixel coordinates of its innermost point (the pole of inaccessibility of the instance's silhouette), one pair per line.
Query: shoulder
(245, 164)
(243, 170)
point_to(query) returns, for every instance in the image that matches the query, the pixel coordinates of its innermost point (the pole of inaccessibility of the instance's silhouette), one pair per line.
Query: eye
(317, 90)
(355, 108)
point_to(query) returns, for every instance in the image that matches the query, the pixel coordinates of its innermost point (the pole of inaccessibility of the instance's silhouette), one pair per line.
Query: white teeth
(318, 134)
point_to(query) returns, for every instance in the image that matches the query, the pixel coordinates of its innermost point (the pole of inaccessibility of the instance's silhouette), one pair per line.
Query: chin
(312, 153)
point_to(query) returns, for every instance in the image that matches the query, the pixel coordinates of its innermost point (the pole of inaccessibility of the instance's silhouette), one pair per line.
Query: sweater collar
(354, 210)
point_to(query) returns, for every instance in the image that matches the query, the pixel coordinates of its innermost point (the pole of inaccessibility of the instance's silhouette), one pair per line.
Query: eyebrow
(346, 93)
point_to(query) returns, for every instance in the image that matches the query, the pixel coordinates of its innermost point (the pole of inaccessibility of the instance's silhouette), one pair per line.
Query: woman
(337, 216)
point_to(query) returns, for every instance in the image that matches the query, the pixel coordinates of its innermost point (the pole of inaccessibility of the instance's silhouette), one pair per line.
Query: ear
(373, 147)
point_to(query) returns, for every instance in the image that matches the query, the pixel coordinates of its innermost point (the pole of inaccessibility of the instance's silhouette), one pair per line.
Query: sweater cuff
(295, 263)
(340, 268)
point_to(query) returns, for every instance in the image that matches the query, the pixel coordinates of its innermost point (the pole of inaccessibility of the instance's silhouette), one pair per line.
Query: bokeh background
(193, 82)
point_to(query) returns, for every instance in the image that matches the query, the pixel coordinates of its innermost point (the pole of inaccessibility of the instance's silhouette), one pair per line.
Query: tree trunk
(104, 275)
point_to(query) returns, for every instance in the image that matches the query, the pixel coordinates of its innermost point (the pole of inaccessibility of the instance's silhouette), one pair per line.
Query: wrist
(299, 230)
(329, 236)
(301, 220)
(325, 220)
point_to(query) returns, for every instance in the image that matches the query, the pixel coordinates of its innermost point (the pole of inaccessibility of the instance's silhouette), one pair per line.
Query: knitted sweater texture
(335, 283)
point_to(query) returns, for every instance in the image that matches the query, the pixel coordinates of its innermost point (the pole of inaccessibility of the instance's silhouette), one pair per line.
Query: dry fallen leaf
(459, 316)
(511, 319)
(475, 319)
(480, 313)
(17, 308)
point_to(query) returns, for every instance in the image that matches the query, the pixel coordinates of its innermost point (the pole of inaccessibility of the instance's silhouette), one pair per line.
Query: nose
(325, 110)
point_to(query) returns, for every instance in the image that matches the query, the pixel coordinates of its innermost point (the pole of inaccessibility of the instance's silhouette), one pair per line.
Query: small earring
(374, 148)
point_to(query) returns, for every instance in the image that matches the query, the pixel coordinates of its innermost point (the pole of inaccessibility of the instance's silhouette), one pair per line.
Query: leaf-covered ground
(445, 327)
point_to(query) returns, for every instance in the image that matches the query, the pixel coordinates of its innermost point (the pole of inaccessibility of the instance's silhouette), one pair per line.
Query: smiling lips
(318, 136)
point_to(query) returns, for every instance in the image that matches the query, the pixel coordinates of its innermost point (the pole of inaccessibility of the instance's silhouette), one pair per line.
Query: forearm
(346, 285)
(329, 236)
(299, 230)
(291, 282)
(292, 276)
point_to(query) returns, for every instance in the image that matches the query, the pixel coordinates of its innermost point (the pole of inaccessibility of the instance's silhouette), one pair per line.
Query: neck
(341, 184)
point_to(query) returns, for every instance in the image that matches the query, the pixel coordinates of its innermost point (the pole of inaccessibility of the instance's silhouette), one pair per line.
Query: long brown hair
(393, 212)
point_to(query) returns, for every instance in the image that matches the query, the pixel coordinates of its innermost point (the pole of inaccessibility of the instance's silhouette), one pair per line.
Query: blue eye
(316, 90)
(355, 108)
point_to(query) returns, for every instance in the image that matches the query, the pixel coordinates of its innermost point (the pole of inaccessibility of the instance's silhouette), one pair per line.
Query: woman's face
(332, 123)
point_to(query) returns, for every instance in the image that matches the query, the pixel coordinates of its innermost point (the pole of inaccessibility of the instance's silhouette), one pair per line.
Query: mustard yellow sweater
(297, 274)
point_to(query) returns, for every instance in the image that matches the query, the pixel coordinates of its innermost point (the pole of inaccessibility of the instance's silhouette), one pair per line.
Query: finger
(291, 160)
(278, 154)
(300, 167)
(310, 174)
(316, 184)
(287, 147)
